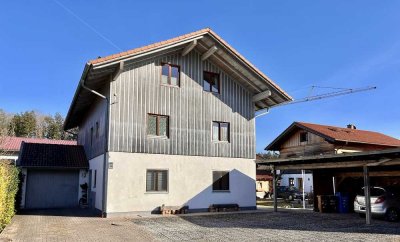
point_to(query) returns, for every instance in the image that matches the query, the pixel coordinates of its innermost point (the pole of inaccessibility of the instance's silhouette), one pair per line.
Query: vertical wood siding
(138, 91)
(95, 114)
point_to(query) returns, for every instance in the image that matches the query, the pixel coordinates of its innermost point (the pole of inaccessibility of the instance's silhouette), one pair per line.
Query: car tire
(272, 196)
(392, 215)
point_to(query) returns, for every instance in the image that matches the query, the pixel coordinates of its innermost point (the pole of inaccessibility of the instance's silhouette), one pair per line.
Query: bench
(168, 210)
(223, 207)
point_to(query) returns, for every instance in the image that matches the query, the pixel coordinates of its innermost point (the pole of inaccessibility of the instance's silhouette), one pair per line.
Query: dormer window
(170, 75)
(211, 82)
(303, 137)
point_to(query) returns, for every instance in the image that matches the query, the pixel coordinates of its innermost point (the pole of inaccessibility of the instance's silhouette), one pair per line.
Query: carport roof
(52, 156)
(369, 158)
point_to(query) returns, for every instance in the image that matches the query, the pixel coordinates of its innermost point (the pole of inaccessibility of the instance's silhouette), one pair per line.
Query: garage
(52, 175)
(52, 189)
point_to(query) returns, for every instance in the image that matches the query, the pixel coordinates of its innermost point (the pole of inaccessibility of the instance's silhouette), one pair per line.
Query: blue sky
(297, 43)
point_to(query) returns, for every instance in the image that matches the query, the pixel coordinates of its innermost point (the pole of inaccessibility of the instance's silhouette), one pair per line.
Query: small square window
(303, 137)
(220, 180)
(211, 82)
(158, 125)
(170, 74)
(157, 180)
(220, 131)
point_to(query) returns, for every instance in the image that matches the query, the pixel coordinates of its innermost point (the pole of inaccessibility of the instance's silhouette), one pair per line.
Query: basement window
(220, 181)
(211, 82)
(170, 74)
(303, 137)
(157, 181)
(158, 125)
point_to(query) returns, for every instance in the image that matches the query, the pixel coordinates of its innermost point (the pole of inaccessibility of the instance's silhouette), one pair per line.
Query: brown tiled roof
(52, 156)
(337, 134)
(14, 143)
(179, 38)
(352, 135)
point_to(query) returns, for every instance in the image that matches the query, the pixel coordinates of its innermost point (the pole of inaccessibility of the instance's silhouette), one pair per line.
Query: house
(10, 146)
(306, 139)
(171, 123)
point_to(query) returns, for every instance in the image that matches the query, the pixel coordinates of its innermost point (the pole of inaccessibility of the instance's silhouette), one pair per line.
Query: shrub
(9, 180)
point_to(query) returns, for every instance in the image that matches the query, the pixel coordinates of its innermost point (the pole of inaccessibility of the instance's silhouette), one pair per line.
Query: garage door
(52, 189)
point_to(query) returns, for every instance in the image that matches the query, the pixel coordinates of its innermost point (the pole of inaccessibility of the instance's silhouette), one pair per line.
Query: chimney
(351, 126)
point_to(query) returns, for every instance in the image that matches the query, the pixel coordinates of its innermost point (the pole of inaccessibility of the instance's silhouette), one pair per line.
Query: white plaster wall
(308, 181)
(190, 181)
(97, 164)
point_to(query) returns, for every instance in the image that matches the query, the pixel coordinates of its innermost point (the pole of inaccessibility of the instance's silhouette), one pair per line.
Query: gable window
(220, 131)
(303, 137)
(91, 136)
(157, 181)
(95, 179)
(220, 180)
(211, 82)
(170, 74)
(157, 125)
(97, 130)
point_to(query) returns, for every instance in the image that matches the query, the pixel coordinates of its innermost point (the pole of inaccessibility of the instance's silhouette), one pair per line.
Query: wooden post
(303, 177)
(275, 190)
(367, 196)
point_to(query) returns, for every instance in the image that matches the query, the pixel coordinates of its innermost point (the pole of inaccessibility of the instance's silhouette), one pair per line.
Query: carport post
(367, 195)
(275, 190)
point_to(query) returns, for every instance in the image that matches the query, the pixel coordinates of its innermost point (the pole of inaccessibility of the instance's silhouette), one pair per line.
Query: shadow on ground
(72, 212)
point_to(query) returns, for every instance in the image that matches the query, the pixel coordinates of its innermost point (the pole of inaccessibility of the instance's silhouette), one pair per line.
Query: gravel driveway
(290, 225)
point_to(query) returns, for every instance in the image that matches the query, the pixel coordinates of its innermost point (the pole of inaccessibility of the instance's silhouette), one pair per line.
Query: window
(170, 75)
(303, 137)
(211, 82)
(97, 130)
(158, 125)
(94, 178)
(91, 136)
(220, 180)
(220, 131)
(156, 181)
(291, 182)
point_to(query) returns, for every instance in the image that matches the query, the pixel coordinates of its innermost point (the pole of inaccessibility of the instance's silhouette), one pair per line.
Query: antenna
(342, 91)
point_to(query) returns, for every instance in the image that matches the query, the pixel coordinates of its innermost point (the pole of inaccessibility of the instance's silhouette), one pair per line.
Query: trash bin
(327, 203)
(323, 203)
(343, 202)
(333, 204)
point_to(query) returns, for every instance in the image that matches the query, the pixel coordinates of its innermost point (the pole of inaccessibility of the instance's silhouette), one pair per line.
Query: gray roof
(52, 156)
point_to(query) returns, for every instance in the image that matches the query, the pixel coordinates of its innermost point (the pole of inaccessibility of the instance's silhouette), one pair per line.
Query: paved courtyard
(289, 225)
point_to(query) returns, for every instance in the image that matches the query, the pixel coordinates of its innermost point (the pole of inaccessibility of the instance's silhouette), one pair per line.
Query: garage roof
(388, 157)
(52, 156)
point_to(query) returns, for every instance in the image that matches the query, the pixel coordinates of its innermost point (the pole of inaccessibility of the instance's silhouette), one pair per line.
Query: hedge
(9, 181)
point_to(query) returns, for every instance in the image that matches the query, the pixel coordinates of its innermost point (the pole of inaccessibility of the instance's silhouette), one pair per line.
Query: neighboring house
(10, 146)
(305, 139)
(171, 123)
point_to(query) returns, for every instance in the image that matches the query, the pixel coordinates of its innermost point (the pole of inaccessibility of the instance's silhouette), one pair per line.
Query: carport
(379, 163)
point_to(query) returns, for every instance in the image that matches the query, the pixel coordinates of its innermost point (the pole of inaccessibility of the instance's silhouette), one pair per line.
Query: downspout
(105, 164)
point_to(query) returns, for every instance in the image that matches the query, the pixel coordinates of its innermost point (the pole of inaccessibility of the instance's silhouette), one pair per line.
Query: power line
(87, 24)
